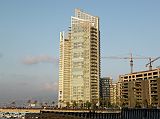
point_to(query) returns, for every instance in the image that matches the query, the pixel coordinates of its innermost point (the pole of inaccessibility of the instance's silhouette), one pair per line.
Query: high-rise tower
(83, 61)
(64, 69)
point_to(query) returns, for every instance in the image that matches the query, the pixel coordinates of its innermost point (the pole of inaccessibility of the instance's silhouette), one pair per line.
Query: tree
(145, 103)
(154, 99)
(29, 102)
(101, 102)
(109, 104)
(53, 103)
(88, 105)
(105, 102)
(46, 104)
(41, 104)
(93, 105)
(60, 102)
(123, 100)
(67, 104)
(13, 104)
(74, 104)
(81, 103)
(35, 102)
(138, 104)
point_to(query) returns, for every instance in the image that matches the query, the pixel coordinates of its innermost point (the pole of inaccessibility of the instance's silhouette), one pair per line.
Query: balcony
(153, 85)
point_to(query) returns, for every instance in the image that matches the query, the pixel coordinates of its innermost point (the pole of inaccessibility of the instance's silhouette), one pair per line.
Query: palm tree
(41, 104)
(35, 102)
(60, 102)
(29, 103)
(53, 103)
(13, 104)
(46, 104)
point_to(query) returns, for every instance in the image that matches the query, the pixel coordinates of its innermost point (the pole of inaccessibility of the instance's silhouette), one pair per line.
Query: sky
(29, 41)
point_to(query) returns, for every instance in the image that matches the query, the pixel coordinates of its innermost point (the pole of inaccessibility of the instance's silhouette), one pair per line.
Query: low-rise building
(105, 85)
(108, 91)
(113, 94)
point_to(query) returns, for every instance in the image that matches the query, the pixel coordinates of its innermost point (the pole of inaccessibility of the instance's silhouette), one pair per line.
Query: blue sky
(29, 41)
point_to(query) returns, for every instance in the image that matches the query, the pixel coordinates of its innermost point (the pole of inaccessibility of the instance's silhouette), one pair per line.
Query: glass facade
(84, 56)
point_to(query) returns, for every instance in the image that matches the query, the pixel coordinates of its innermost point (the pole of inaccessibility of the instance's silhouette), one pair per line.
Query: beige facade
(118, 93)
(140, 88)
(82, 84)
(64, 69)
(113, 94)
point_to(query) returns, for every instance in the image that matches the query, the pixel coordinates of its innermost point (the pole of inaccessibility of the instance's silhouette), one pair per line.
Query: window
(78, 45)
(139, 75)
(155, 73)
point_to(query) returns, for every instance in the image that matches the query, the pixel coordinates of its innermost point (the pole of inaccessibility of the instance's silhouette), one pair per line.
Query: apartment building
(105, 86)
(113, 94)
(64, 69)
(118, 93)
(140, 89)
(82, 61)
(108, 91)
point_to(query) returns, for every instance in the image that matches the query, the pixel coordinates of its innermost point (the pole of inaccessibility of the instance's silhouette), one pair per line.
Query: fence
(126, 113)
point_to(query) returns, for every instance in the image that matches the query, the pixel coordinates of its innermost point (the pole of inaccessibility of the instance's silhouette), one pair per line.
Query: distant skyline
(29, 41)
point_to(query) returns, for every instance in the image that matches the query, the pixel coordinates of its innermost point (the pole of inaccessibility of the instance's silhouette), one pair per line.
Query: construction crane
(150, 62)
(130, 58)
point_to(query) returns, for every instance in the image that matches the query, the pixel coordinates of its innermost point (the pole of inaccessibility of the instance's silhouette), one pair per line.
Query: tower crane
(130, 58)
(150, 62)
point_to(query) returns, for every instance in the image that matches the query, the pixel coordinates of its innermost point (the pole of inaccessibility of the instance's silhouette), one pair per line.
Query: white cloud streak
(29, 60)
(50, 87)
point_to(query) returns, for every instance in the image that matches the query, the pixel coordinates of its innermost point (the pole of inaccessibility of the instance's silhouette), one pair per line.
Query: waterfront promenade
(20, 110)
(38, 110)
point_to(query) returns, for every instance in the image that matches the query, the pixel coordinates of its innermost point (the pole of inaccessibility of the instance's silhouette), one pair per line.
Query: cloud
(29, 60)
(50, 86)
(22, 86)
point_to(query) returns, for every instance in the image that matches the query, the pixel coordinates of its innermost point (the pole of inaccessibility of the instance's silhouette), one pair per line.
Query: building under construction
(140, 89)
